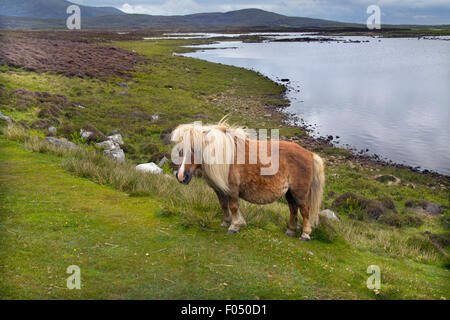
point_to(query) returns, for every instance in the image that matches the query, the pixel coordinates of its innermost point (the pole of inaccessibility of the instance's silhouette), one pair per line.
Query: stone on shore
(149, 167)
(329, 214)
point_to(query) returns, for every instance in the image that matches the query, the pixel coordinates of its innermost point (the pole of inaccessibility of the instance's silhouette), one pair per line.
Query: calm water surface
(391, 96)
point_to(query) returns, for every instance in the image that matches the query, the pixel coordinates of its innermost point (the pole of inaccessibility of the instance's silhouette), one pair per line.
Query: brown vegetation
(66, 57)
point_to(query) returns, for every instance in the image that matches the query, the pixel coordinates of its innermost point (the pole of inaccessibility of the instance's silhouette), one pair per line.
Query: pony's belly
(262, 195)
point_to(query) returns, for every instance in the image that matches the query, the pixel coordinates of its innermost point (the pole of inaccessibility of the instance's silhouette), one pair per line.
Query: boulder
(116, 154)
(85, 134)
(52, 130)
(107, 144)
(149, 167)
(329, 214)
(92, 134)
(61, 142)
(117, 138)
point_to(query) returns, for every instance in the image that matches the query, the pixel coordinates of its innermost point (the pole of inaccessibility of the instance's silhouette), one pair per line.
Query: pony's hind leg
(223, 200)
(237, 221)
(293, 219)
(304, 210)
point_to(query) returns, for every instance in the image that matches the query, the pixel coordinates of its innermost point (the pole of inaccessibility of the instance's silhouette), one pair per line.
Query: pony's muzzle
(187, 176)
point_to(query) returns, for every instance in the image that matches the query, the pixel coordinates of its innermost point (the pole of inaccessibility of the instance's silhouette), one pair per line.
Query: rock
(107, 144)
(285, 80)
(155, 118)
(92, 134)
(267, 115)
(52, 130)
(85, 134)
(116, 154)
(329, 214)
(61, 142)
(117, 138)
(149, 167)
(5, 118)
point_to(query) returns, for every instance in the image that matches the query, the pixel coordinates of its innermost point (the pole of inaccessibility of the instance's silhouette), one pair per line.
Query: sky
(392, 11)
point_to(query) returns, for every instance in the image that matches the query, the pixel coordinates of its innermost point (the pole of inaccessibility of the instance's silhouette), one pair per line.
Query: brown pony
(232, 166)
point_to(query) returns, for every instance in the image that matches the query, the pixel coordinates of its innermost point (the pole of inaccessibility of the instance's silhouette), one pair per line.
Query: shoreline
(359, 156)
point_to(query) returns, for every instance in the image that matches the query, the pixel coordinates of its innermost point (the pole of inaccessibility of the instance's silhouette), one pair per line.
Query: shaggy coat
(218, 151)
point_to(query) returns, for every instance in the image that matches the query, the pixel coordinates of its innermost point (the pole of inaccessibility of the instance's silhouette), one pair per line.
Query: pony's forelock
(218, 148)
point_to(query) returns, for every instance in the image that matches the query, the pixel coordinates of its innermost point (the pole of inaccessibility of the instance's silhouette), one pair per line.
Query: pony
(228, 161)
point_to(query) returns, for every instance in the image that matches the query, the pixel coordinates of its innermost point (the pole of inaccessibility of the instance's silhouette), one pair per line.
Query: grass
(178, 227)
(143, 236)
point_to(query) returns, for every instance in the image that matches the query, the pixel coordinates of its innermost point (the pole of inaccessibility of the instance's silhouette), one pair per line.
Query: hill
(50, 9)
(100, 18)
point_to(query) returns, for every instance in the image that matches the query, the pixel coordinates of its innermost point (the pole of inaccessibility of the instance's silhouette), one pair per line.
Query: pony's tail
(316, 190)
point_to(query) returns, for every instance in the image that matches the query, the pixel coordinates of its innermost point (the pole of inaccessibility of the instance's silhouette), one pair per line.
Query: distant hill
(50, 9)
(239, 18)
(37, 14)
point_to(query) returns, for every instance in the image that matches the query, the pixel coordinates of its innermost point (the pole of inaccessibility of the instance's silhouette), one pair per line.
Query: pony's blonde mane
(217, 143)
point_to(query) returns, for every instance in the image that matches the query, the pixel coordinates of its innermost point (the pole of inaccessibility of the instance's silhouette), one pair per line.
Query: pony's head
(209, 148)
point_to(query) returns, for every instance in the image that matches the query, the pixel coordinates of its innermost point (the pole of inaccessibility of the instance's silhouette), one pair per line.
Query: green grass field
(146, 237)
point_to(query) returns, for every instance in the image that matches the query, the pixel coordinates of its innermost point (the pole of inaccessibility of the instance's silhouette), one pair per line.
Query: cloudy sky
(392, 11)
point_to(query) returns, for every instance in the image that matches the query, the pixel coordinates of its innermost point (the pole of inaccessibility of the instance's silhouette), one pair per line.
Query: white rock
(85, 134)
(116, 154)
(155, 117)
(329, 214)
(149, 167)
(52, 129)
(117, 138)
(61, 142)
(108, 145)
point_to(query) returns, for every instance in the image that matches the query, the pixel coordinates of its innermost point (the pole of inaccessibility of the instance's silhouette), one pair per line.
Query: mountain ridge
(51, 9)
(51, 13)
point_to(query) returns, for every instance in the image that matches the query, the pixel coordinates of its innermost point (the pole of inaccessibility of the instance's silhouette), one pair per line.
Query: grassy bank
(141, 236)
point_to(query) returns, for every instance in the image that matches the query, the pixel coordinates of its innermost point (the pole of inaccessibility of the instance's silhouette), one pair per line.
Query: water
(391, 96)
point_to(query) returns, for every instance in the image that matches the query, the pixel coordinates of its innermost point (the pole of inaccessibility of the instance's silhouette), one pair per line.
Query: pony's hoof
(225, 224)
(231, 231)
(290, 233)
(305, 237)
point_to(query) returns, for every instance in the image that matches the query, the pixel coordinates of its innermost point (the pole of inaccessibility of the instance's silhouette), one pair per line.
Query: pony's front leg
(237, 221)
(223, 200)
